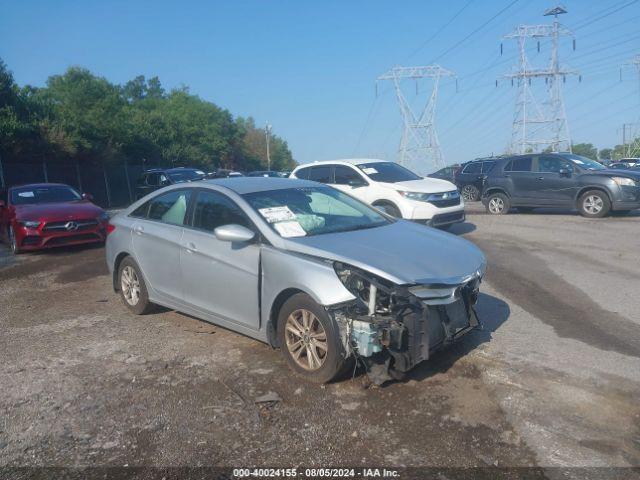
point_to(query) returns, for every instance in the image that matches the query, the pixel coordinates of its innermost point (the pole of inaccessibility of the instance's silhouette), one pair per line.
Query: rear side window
(320, 174)
(346, 175)
(475, 167)
(170, 207)
(303, 173)
(522, 164)
(213, 209)
(487, 166)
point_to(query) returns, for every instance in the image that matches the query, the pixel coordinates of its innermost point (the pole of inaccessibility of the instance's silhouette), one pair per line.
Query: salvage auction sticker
(277, 214)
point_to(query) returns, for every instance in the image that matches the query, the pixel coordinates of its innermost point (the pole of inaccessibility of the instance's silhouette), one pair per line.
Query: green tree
(585, 150)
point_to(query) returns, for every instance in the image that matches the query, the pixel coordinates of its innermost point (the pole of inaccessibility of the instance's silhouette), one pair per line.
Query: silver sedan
(301, 266)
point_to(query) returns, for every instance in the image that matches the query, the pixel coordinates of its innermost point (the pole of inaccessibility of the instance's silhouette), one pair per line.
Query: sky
(309, 68)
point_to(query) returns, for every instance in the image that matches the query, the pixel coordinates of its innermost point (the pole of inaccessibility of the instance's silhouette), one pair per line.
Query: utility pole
(633, 148)
(538, 125)
(419, 146)
(267, 134)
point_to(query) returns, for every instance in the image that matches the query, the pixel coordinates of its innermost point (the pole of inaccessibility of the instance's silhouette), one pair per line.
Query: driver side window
(347, 176)
(213, 210)
(548, 164)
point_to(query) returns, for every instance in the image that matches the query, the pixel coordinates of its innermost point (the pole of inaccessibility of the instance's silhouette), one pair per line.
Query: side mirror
(87, 196)
(233, 233)
(356, 183)
(565, 172)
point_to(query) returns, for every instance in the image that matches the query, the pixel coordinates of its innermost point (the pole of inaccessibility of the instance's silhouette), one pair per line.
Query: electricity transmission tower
(419, 145)
(633, 147)
(537, 125)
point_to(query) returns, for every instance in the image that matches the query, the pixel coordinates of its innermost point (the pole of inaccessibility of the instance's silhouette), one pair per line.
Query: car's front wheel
(470, 193)
(309, 339)
(133, 289)
(13, 242)
(594, 204)
(498, 204)
(389, 209)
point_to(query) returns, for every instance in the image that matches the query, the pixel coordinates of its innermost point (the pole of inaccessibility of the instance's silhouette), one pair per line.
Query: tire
(470, 193)
(389, 209)
(300, 320)
(12, 241)
(138, 303)
(594, 204)
(498, 204)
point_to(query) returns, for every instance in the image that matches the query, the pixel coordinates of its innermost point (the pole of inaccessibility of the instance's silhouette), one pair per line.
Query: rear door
(522, 179)
(156, 241)
(220, 278)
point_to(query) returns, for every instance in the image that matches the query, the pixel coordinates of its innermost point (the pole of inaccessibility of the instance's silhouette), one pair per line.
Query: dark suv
(156, 178)
(470, 178)
(562, 180)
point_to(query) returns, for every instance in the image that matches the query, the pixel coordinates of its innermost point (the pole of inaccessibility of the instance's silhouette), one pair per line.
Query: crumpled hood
(424, 185)
(402, 252)
(58, 211)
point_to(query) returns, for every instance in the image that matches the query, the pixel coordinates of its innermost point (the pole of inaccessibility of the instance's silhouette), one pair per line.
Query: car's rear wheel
(470, 193)
(13, 242)
(133, 289)
(498, 204)
(309, 339)
(594, 204)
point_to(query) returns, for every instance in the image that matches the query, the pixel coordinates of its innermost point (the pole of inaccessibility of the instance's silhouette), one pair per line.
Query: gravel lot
(553, 381)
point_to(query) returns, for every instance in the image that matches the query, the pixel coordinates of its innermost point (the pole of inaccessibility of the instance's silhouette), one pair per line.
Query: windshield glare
(299, 212)
(388, 172)
(48, 194)
(186, 176)
(584, 162)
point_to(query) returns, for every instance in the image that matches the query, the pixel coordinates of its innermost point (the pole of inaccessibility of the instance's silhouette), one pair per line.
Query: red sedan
(46, 215)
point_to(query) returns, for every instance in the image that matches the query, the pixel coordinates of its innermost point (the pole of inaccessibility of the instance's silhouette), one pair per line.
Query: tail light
(110, 228)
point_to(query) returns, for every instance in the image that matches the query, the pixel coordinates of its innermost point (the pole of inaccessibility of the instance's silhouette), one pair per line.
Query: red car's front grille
(83, 237)
(70, 225)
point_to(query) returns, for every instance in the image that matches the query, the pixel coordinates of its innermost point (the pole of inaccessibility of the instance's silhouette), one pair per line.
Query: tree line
(82, 117)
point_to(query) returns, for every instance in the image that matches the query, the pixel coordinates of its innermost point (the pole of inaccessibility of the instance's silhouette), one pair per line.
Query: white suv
(391, 188)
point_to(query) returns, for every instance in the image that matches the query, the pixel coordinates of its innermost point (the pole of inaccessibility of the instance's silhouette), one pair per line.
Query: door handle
(190, 247)
(540, 178)
(138, 229)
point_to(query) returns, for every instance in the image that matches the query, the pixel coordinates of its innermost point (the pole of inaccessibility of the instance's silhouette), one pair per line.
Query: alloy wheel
(130, 285)
(496, 205)
(593, 204)
(306, 339)
(12, 240)
(469, 193)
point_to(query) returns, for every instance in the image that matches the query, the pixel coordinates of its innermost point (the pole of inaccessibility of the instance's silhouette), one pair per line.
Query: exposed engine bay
(391, 328)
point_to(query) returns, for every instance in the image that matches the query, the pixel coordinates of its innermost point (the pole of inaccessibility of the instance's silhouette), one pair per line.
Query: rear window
(303, 173)
(320, 174)
(475, 167)
(522, 164)
(487, 166)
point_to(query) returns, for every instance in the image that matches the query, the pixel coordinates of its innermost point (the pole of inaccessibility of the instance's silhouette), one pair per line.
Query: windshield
(299, 212)
(43, 194)
(584, 162)
(186, 176)
(388, 172)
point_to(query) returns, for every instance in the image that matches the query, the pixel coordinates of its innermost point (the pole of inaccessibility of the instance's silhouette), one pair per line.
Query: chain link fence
(112, 185)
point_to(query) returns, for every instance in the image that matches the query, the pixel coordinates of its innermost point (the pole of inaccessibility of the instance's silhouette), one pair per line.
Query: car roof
(242, 185)
(343, 161)
(172, 169)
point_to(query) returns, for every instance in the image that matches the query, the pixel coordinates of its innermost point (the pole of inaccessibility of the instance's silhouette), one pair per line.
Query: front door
(348, 180)
(220, 277)
(157, 239)
(556, 188)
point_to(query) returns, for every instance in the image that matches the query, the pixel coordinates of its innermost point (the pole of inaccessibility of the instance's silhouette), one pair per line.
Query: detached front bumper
(407, 325)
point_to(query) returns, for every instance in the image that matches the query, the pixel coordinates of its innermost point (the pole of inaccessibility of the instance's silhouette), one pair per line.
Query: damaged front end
(391, 328)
